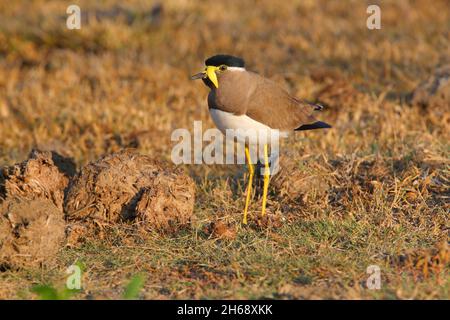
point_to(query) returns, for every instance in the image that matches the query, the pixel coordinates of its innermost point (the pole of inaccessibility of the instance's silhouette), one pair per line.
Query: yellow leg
(266, 180)
(251, 171)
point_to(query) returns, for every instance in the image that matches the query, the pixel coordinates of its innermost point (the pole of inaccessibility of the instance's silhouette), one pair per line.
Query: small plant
(48, 292)
(134, 287)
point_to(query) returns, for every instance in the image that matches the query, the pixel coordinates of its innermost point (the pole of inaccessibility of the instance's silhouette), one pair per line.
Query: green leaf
(45, 292)
(81, 265)
(133, 287)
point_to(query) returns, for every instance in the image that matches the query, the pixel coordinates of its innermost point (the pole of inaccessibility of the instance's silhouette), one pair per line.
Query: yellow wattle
(211, 73)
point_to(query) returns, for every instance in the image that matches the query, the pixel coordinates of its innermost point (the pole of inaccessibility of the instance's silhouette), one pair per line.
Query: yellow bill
(210, 73)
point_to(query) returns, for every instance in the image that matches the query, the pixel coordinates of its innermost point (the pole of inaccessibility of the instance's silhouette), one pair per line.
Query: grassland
(122, 81)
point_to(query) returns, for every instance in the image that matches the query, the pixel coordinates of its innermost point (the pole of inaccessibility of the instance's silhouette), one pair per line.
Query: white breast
(243, 127)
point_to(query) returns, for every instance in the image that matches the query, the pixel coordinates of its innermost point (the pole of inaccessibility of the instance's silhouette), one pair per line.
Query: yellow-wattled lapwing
(241, 99)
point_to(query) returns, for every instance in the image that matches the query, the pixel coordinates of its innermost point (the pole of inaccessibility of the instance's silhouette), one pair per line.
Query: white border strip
(236, 68)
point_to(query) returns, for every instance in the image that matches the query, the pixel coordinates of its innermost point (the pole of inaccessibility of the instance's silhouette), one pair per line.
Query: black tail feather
(315, 125)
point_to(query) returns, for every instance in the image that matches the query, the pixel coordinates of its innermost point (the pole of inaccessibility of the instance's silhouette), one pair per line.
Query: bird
(243, 99)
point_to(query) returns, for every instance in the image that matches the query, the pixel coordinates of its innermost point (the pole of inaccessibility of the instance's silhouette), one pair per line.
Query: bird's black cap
(220, 59)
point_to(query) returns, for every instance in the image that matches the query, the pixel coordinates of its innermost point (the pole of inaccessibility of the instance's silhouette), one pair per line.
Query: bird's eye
(223, 67)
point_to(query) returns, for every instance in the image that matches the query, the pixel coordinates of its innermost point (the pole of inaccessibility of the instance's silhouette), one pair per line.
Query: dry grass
(381, 194)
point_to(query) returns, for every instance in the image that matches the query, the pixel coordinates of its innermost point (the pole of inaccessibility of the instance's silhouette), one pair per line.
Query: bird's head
(217, 65)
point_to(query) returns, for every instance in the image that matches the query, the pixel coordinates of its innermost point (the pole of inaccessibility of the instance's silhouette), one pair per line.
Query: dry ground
(375, 187)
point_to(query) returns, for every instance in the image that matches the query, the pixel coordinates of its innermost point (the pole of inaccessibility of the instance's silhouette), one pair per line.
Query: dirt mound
(435, 91)
(31, 232)
(124, 186)
(42, 175)
(168, 204)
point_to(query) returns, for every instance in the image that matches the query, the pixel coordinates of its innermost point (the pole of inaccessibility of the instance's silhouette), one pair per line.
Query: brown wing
(270, 104)
(262, 100)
